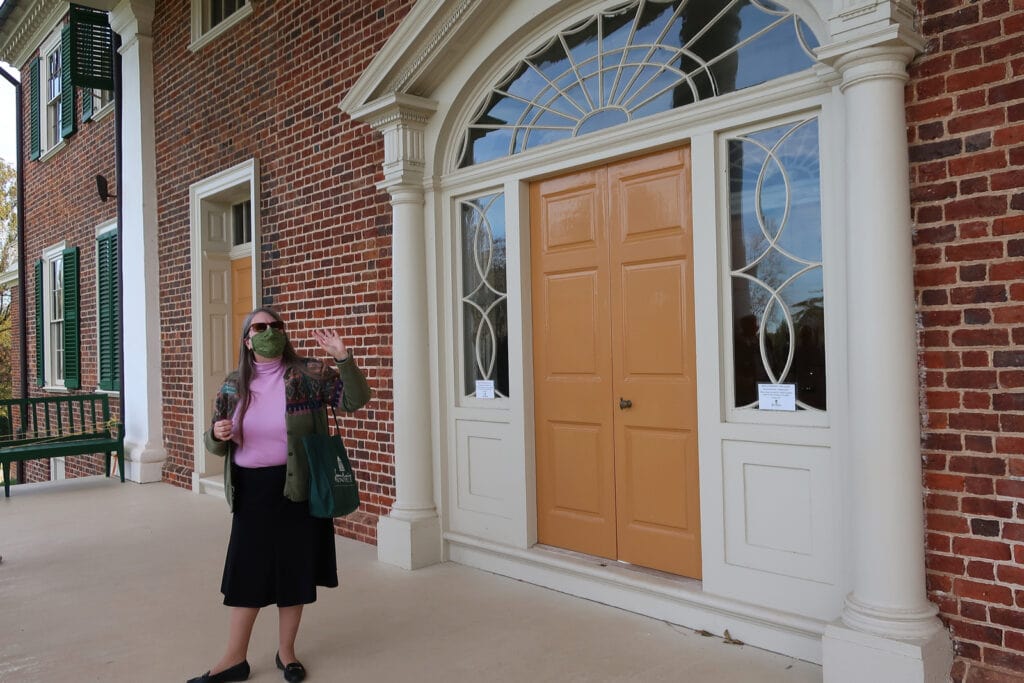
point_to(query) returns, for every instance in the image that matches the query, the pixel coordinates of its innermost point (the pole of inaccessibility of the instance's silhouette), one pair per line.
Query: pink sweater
(266, 441)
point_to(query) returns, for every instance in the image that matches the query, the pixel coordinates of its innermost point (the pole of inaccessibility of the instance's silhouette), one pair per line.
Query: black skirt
(278, 554)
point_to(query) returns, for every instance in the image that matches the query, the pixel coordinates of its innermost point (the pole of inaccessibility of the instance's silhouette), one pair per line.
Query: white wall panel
(486, 502)
(779, 509)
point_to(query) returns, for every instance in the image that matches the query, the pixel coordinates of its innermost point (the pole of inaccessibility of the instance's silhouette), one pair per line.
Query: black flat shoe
(239, 672)
(294, 672)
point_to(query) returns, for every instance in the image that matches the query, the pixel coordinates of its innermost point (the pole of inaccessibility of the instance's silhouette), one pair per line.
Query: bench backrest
(56, 418)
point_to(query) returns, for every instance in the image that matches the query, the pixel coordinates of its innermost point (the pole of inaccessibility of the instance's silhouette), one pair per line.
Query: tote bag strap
(337, 423)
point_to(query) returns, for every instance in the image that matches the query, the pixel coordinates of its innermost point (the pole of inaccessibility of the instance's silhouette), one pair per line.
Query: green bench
(56, 426)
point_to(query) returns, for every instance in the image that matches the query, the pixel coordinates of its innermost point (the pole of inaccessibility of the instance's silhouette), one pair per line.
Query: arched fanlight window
(631, 61)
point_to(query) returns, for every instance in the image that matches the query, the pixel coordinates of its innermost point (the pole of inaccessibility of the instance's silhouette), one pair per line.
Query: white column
(889, 630)
(141, 392)
(410, 536)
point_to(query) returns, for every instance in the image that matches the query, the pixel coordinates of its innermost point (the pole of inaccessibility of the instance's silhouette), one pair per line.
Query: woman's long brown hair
(247, 360)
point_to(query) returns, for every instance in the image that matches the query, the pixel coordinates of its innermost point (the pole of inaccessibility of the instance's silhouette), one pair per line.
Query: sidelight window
(778, 303)
(484, 294)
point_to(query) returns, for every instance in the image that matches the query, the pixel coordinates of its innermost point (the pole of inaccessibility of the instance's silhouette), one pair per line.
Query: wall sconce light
(102, 188)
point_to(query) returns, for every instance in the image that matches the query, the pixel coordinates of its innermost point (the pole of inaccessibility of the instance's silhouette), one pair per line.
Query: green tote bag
(333, 490)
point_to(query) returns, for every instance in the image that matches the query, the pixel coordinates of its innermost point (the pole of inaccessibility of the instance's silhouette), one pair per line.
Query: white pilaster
(410, 536)
(888, 630)
(141, 393)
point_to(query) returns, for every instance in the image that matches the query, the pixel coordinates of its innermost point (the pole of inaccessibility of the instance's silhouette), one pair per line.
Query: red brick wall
(61, 204)
(966, 132)
(269, 88)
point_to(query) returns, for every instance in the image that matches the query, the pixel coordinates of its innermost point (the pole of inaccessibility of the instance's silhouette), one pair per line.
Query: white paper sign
(485, 388)
(776, 396)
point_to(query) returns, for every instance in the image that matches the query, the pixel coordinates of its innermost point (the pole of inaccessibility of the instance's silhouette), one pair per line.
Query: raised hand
(330, 342)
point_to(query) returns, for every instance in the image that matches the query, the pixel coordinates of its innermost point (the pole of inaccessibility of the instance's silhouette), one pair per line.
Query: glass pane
(484, 293)
(54, 76)
(241, 220)
(631, 61)
(775, 257)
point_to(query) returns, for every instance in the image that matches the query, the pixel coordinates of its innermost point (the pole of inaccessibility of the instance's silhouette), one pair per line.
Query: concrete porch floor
(103, 581)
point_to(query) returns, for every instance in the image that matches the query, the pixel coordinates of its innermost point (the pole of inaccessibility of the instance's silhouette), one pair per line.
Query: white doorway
(226, 285)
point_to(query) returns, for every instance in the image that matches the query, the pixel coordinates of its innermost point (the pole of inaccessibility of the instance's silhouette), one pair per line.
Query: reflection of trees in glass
(777, 282)
(484, 293)
(634, 60)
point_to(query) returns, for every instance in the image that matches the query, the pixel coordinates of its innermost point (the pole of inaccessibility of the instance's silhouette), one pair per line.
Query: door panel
(654, 352)
(613, 319)
(241, 295)
(572, 370)
(216, 313)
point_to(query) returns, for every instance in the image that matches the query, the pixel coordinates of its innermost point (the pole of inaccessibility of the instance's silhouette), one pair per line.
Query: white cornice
(30, 23)
(413, 59)
(27, 27)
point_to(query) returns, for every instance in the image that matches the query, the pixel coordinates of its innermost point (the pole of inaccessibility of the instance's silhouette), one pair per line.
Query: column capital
(132, 18)
(401, 118)
(879, 54)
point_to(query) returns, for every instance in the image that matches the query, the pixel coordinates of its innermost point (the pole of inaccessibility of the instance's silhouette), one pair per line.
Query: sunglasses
(260, 327)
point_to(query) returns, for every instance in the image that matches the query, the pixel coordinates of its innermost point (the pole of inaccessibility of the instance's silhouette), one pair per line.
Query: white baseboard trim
(212, 485)
(676, 600)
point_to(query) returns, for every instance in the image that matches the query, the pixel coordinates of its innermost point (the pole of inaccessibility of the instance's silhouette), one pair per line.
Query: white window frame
(202, 33)
(830, 257)
(102, 102)
(52, 382)
(49, 142)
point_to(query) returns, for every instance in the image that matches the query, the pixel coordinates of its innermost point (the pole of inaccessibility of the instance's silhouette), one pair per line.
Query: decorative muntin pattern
(632, 61)
(484, 293)
(776, 259)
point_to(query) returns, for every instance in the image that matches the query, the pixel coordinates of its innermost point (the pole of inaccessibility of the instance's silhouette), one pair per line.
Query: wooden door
(614, 363)
(654, 358)
(241, 295)
(572, 364)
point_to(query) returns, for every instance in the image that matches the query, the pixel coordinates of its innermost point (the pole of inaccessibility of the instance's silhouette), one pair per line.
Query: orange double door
(615, 363)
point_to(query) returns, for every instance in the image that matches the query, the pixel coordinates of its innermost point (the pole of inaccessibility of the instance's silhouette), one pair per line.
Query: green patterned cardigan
(307, 396)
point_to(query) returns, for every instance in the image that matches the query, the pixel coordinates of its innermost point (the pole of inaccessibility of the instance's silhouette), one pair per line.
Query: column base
(409, 543)
(143, 465)
(851, 656)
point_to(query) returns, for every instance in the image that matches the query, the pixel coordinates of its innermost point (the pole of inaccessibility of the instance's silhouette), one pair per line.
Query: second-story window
(211, 18)
(222, 9)
(53, 97)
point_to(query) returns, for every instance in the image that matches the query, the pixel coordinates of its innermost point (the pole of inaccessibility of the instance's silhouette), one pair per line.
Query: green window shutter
(72, 356)
(33, 108)
(40, 347)
(109, 318)
(67, 89)
(86, 104)
(92, 57)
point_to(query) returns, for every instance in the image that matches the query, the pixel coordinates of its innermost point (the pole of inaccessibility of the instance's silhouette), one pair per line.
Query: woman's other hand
(330, 342)
(222, 430)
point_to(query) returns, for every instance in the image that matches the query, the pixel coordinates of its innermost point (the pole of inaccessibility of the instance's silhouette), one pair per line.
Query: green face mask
(269, 343)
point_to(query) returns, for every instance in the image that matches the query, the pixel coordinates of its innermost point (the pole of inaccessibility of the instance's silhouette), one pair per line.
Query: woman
(277, 553)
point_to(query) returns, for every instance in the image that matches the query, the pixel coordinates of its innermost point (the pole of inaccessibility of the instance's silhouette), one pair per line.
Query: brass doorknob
(625, 403)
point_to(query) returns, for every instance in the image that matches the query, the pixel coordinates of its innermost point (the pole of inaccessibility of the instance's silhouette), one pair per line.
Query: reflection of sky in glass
(792, 194)
(775, 256)
(639, 59)
(485, 311)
